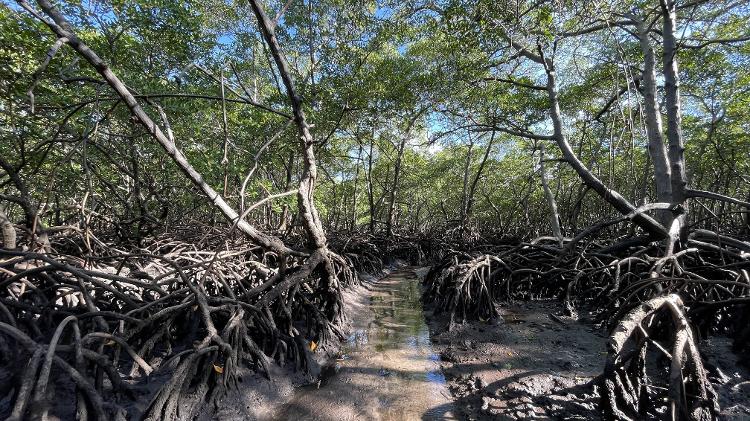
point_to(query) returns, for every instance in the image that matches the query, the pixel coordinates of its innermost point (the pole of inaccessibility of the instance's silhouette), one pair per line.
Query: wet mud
(537, 364)
(387, 369)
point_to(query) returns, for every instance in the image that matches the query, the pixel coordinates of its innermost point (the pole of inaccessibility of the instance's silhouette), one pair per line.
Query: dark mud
(527, 366)
(537, 364)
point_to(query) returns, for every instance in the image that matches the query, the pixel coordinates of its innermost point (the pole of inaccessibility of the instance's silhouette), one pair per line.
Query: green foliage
(371, 74)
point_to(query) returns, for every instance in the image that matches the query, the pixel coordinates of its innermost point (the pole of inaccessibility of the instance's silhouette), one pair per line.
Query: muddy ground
(534, 364)
(528, 365)
(538, 364)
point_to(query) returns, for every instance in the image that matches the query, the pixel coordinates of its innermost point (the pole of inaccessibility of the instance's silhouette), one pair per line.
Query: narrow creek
(387, 370)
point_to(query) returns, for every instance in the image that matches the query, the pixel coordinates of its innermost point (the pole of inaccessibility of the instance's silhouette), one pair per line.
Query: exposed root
(192, 313)
(634, 383)
(466, 289)
(710, 275)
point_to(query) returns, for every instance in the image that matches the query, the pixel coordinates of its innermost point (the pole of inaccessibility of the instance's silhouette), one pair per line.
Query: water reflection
(398, 323)
(387, 369)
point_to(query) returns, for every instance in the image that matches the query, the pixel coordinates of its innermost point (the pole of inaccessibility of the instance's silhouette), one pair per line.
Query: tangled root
(467, 289)
(636, 385)
(174, 311)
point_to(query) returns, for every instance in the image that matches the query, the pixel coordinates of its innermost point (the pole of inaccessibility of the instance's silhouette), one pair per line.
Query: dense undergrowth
(195, 309)
(656, 307)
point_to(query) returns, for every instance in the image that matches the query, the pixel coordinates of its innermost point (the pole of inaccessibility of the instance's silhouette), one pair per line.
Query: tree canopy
(301, 125)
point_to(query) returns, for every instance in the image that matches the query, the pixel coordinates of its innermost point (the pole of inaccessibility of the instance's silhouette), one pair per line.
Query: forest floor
(400, 362)
(527, 365)
(386, 370)
(538, 364)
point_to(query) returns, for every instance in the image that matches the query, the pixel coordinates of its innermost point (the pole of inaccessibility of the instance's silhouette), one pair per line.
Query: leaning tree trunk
(60, 26)
(306, 190)
(310, 170)
(612, 197)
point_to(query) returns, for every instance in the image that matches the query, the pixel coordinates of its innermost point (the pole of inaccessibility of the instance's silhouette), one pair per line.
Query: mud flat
(387, 369)
(536, 364)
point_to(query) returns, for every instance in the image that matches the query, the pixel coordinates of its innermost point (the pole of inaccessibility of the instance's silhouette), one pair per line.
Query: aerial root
(466, 289)
(172, 311)
(631, 384)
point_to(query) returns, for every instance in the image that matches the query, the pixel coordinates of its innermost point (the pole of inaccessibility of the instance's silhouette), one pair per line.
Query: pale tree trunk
(465, 191)
(611, 196)
(656, 148)
(9, 232)
(550, 197)
(648, 224)
(321, 256)
(674, 115)
(309, 175)
(396, 178)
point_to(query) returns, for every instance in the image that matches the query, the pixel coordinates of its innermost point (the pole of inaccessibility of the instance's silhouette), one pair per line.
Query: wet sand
(387, 370)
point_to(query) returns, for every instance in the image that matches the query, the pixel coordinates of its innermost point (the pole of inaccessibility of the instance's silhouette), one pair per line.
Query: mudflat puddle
(387, 370)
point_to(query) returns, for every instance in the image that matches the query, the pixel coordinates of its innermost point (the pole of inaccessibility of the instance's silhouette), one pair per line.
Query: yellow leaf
(219, 369)
(313, 346)
(109, 342)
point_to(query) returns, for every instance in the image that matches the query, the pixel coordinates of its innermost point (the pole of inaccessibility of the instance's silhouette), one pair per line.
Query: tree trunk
(473, 187)
(353, 221)
(550, 197)
(9, 232)
(674, 115)
(309, 169)
(370, 198)
(305, 196)
(656, 147)
(612, 197)
(392, 199)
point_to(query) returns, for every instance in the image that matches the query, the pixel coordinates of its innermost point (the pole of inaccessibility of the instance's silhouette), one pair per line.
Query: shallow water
(387, 369)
